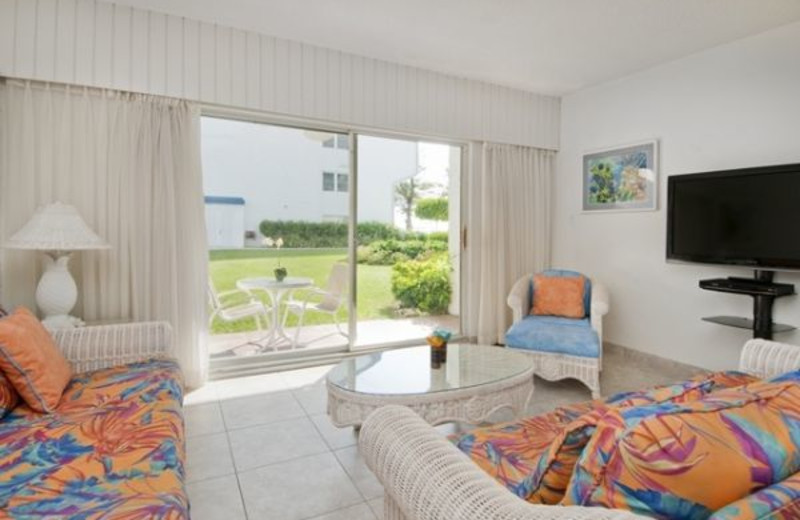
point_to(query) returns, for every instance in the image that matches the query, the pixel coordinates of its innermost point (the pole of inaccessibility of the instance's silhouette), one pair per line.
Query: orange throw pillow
(31, 361)
(558, 296)
(8, 396)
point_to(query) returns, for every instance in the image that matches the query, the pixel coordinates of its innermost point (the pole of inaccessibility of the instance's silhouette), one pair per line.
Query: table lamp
(57, 229)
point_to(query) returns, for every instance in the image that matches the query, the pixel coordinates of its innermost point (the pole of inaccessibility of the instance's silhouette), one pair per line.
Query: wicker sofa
(114, 447)
(426, 477)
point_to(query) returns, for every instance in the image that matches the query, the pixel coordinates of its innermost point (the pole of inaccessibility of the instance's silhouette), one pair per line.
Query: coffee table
(475, 381)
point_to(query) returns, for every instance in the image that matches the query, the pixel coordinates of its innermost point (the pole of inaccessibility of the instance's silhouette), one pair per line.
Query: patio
(323, 337)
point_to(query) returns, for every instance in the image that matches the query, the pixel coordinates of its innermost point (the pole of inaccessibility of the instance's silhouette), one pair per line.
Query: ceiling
(545, 46)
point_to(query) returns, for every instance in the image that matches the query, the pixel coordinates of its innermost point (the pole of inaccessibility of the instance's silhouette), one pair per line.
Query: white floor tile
(298, 489)
(205, 394)
(276, 442)
(357, 512)
(368, 485)
(376, 505)
(306, 376)
(313, 398)
(260, 409)
(251, 385)
(334, 437)
(208, 456)
(203, 419)
(216, 499)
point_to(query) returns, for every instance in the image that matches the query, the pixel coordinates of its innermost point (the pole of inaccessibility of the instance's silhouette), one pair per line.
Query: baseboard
(646, 358)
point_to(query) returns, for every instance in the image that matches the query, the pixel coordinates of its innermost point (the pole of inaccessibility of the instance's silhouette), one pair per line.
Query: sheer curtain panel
(509, 230)
(130, 163)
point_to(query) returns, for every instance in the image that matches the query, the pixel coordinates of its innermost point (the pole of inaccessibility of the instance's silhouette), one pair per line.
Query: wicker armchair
(103, 346)
(425, 477)
(559, 365)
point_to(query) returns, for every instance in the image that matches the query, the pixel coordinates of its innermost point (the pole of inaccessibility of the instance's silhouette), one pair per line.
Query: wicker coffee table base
(470, 405)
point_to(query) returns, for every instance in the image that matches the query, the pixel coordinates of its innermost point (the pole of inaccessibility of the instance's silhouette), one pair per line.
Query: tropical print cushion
(8, 396)
(115, 443)
(779, 501)
(555, 466)
(534, 457)
(666, 460)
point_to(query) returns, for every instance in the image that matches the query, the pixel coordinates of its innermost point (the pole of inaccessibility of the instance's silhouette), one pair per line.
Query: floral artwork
(621, 179)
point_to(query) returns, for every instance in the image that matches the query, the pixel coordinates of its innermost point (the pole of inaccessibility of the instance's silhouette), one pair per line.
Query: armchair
(562, 347)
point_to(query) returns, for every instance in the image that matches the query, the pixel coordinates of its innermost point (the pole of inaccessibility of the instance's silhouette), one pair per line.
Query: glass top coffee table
(473, 382)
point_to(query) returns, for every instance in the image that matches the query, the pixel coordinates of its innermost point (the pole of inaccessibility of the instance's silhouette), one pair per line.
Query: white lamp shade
(56, 227)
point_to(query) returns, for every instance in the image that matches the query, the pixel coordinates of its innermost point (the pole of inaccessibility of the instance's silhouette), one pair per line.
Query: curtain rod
(38, 83)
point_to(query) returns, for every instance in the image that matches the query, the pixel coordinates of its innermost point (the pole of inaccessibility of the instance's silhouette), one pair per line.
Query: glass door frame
(353, 132)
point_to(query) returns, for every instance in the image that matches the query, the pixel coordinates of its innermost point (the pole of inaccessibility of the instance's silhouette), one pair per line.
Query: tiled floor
(262, 447)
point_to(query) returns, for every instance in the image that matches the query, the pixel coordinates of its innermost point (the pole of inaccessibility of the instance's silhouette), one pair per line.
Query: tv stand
(763, 290)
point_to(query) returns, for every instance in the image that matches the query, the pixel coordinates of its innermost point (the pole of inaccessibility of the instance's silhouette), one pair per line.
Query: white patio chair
(252, 308)
(327, 301)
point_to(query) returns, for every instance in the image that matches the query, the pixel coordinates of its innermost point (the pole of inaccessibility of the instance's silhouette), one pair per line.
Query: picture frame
(622, 178)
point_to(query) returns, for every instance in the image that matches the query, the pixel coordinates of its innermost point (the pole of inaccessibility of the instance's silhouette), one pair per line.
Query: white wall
(733, 106)
(101, 44)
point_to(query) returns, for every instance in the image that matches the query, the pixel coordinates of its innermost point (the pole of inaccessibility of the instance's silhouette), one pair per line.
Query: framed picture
(621, 179)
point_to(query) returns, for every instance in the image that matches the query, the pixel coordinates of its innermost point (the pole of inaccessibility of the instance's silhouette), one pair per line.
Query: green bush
(432, 209)
(423, 284)
(389, 252)
(439, 236)
(298, 233)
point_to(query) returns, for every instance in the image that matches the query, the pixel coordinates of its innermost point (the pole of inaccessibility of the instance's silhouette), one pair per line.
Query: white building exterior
(291, 174)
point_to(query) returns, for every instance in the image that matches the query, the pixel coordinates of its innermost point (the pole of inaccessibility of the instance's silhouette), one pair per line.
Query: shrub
(298, 233)
(423, 284)
(439, 236)
(432, 209)
(389, 252)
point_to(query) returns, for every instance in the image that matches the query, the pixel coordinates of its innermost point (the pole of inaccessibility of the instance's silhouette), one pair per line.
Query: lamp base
(62, 322)
(57, 293)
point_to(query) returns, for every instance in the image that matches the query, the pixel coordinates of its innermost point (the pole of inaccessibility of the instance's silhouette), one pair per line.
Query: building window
(338, 141)
(342, 182)
(328, 181)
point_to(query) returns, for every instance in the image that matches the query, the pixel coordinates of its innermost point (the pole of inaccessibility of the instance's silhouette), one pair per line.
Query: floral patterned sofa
(114, 448)
(723, 446)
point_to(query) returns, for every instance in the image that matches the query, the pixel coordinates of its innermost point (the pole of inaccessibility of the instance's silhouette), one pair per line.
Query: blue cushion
(566, 273)
(555, 334)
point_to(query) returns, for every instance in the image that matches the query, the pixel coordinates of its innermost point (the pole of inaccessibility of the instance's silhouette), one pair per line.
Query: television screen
(744, 217)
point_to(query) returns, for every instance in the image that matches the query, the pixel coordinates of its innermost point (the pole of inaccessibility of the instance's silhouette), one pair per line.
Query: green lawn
(375, 298)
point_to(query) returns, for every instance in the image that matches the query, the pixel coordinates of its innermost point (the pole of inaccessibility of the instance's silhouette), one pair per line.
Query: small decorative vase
(439, 355)
(280, 273)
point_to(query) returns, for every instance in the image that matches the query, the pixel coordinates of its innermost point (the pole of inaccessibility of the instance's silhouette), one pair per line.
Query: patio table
(276, 291)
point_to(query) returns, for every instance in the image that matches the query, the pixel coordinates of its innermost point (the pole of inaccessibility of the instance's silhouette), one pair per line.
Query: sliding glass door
(277, 217)
(407, 233)
(310, 255)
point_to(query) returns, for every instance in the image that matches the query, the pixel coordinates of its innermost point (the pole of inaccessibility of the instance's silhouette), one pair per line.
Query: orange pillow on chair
(558, 296)
(31, 361)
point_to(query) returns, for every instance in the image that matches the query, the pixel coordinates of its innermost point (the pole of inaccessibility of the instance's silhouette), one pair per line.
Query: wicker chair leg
(391, 511)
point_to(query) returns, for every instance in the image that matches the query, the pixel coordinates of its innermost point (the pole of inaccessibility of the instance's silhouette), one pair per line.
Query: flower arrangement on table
(438, 341)
(280, 272)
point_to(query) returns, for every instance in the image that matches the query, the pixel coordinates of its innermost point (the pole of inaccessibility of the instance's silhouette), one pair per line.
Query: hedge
(389, 252)
(432, 209)
(298, 233)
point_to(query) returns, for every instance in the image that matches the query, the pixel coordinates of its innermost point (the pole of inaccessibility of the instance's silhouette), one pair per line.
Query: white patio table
(276, 291)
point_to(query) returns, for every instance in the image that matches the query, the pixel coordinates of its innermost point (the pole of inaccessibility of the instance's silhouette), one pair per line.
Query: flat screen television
(747, 217)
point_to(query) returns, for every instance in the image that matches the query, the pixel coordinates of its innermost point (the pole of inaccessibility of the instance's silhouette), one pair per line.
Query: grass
(375, 299)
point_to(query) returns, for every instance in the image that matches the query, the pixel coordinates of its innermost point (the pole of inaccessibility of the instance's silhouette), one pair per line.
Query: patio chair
(327, 301)
(230, 312)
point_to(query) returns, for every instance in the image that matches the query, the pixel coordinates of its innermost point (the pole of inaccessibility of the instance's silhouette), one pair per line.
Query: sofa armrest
(103, 346)
(519, 297)
(599, 307)
(765, 358)
(426, 477)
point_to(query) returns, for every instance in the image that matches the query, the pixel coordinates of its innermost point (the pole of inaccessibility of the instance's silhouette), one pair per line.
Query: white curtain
(130, 163)
(508, 226)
